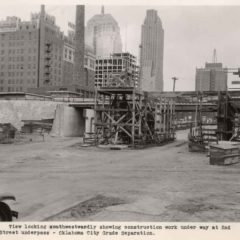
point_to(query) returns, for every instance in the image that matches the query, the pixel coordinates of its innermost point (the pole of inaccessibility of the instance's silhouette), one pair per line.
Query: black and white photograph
(119, 113)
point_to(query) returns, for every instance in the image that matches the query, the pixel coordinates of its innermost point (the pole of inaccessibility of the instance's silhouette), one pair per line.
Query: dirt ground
(59, 180)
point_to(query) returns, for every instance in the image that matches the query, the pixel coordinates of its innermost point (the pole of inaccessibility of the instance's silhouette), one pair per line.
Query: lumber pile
(7, 133)
(224, 153)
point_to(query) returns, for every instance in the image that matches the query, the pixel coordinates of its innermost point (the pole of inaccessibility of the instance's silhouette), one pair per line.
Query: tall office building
(35, 55)
(151, 56)
(116, 66)
(211, 78)
(103, 34)
(30, 52)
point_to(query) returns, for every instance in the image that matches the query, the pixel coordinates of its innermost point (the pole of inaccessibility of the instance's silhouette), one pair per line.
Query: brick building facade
(36, 54)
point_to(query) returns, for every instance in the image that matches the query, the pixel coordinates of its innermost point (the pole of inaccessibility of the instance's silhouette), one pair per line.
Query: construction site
(120, 153)
(121, 156)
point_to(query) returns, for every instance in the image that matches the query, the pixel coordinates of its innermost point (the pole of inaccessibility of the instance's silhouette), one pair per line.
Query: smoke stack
(102, 10)
(79, 46)
(42, 9)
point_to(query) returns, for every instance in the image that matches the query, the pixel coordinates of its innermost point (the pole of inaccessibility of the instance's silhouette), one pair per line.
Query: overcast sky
(191, 34)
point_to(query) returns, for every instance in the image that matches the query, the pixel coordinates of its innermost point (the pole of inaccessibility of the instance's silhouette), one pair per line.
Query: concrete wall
(68, 121)
(14, 111)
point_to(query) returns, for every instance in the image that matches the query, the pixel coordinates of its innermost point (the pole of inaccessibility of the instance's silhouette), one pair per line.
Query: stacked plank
(224, 153)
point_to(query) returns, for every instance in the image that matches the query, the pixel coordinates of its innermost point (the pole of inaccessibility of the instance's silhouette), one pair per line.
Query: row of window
(17, 50)
(19, 43)
(17, 74)
(15, 81)
(109, 68)
(14, 73)
(21, 59)
(27, 27)
(27, 81)
(104, 27)
(15, 89)
(19, 36)
(21, 66)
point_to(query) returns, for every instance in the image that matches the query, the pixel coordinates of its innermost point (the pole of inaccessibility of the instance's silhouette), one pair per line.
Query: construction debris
(88, 139)
(225, 153)
(35, 128)
(225, 126)
(203, 132)
(7, 133)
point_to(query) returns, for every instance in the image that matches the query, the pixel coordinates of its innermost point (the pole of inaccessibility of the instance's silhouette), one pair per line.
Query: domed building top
(102, 18)
(103, 34)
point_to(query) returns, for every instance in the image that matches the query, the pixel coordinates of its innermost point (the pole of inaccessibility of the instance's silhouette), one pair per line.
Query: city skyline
(191, 34)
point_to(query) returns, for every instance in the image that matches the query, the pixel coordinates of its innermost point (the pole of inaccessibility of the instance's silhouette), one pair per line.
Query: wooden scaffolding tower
(126, 116)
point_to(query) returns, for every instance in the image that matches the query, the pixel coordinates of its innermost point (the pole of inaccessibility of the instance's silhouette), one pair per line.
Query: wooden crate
(224, 154)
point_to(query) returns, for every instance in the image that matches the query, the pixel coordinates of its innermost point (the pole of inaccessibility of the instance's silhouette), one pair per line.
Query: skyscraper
(211, 78)
(115, 67)
(30, 53)
(36, 56)
(151, 59)
(103, 34)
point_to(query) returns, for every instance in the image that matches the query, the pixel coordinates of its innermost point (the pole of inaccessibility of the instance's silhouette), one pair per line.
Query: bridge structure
(185, 101)
(179, 107)
(221, 104)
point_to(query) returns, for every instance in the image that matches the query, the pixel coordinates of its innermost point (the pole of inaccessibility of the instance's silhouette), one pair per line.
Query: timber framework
(124, 115)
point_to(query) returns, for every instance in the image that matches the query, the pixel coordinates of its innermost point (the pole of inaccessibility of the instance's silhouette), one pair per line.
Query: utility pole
(174, 82)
